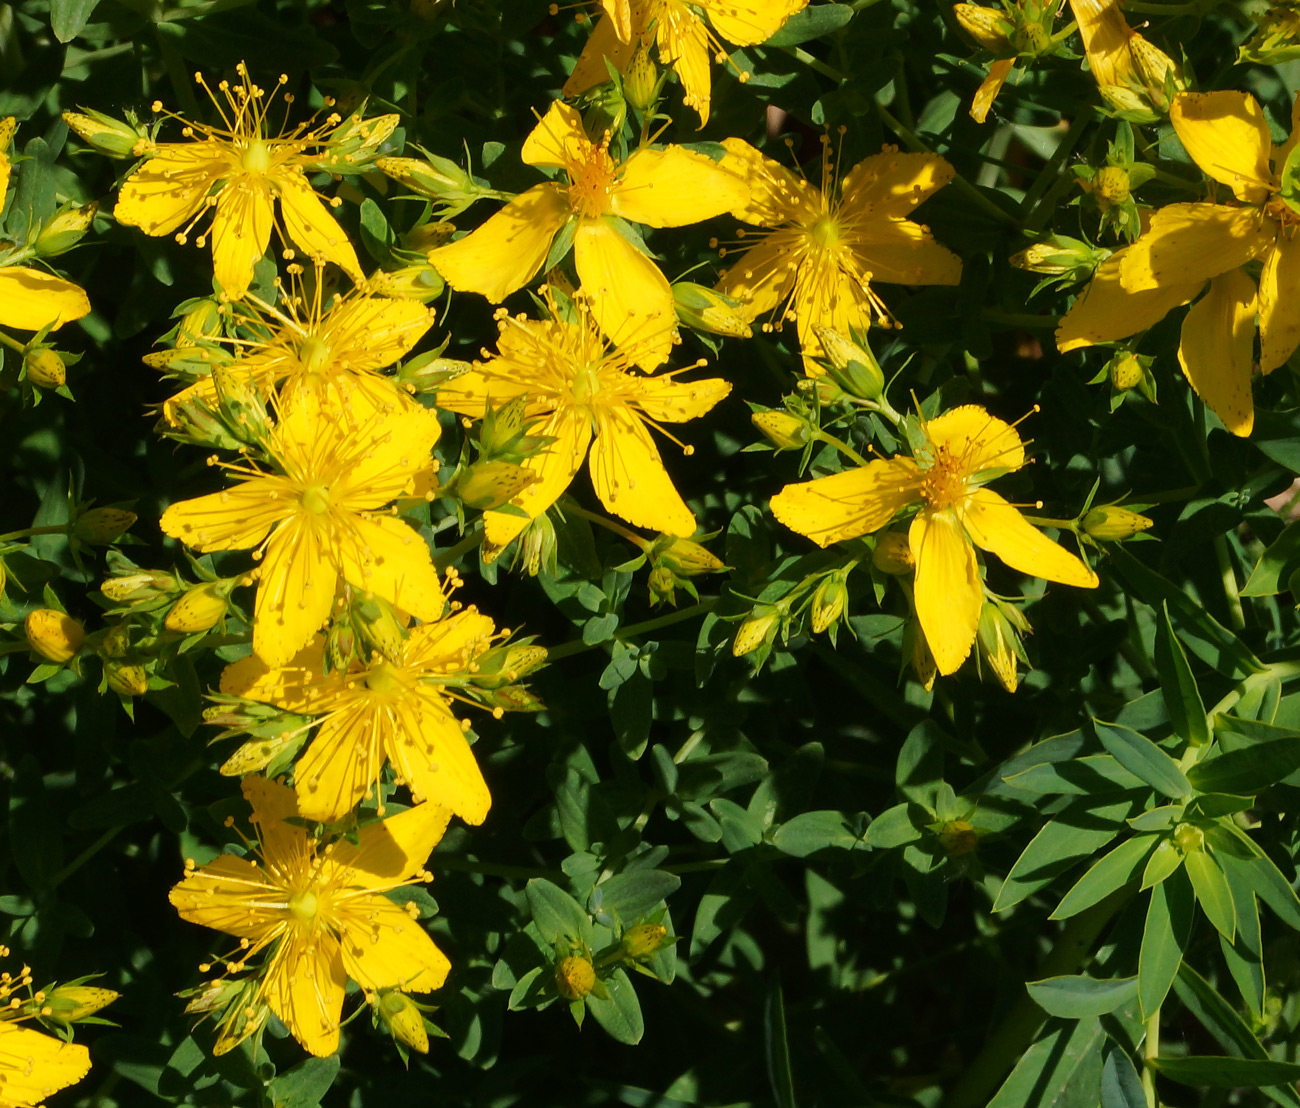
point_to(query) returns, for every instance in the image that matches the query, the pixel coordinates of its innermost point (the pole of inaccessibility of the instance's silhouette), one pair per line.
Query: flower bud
(404, 1020)
(511, 698)
(644, 939)
(116, 642)
(705, 309)
(65, 230)
(424, 374)
(45, 368)
(1189, 838)
(437, 178)
(828, 601)
(538, 547)
(201, 321)
(275, 744)
(1158, 72)
(1126, 371)
(128, 680)
(685, 557)
(1059, 255)
(54, 635)
(66, 1004)
(827, 391)
(854, 367)
(102, 526)
(356, 139)
(998, 639)
(893, 554)
(640, 80)
(957, 837)
(1111, 186)
(1111, 523)
(341, 645)
(107, 135)
(488, 485)
(755, 630)
(575, 977)
(782, 430)
(412, 282)
(146, 584)
(380, 628)
(199, 608)
(506, 664)
(987, 26)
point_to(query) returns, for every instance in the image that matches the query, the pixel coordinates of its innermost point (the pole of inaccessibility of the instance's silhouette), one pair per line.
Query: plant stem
(12, 343)
(470, 542)
(577, 646)
(1151, 1049)
(842, 446)
(52, 529)
(1236, 615)
(609, 525)
(84, 857)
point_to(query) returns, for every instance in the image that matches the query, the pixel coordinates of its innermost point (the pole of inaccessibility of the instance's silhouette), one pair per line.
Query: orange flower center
(591, 180)
(945, 481)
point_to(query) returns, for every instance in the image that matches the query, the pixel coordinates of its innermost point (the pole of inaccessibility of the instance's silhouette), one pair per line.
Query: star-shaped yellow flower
(240, 170)
(684, 40)
(631, 299)
(323, 519)
(824, 251)
(320, 911)
(387, 712)
(582, 392)
(963, 449)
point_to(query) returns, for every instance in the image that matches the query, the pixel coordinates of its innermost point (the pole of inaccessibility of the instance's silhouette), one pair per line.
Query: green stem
(84, 857)
(1151, 1049)
(843, 447)
(577, 646)
(12, 343)
(816, 64)
(52, 529)
(1014, 1035)
(470, 542)
(609, 525)
(1236, 614)
(1059, 524)
(1275, 671)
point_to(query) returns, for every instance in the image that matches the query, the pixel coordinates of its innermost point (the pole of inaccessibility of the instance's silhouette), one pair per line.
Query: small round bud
(957, 837)
(782, 430)
(893, 554)
(575, 977)
(754, 632)
(102, 526)
(1111, 523)
(404, 1020)
(198, 609)
(54, 635)
(1189, 838)
(45, 368)
(1111, 186)
(127, 680)
(644, 939)
(1126, 372)
(145, 585)
(828, 602)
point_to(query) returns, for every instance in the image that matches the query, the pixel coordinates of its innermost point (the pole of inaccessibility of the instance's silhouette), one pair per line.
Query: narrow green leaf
(1178, 686)
(1266, 578)
(69, 17)
(632, 894)
(1121, 1087)
(1164, 940)
(1227, 1073)
(1157, 819)
(777, 1048)
(1111, 872)
(1244, 956)
(1164, 861)
(1075, 997)
(1248, 770)
(556, 913)
(1266, 879)
(813, 22)
(1067, 1057)
(1140, 756)
(810, 832)
(1212, 891)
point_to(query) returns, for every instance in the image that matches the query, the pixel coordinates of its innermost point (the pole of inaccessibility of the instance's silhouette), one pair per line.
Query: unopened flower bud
(404, 1020)
(685, 557)
(1111, 186)
(65, 230)
(1031, 37)
(893, 554)
(644, 939)
(987, 26)
(828, 602)
(1189, 838)
(341, 645)
(103, 525)
(424, 374)
(108, 135)
(575, 977)
(853, 366)
(957, 837)
(147, 584)
(706, 309)
(488, 485)
(998, 640)
(827, 391)
(1111, 523)
(380, 628)
(538, 546)
(1059, 255)
(640, 80)
(782, 430)
(511, 698)
(116, 642)
(201, 321)
(412, 282)
(45, 368)
(506, 664)
(437, 178)
(128, 680)
(1158, 72)
(199, 608)
(54, 635)
(357, 138)
(755, 630)
(67, 1004)
(1126, 371)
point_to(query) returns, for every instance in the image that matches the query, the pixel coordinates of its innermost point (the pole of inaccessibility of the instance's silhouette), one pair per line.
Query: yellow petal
(674, 186)
(1279, 303)
(472, 393)
(33, 1065)
(343, 762)
(219, 894)
(604, 43)
(171, 186)
(372, 332)
(668, 401)
(282, 843)
(978, 440)
(900, 252)
(304, 987)
(995, 526)
(295, 592)
(241, 230)
(683, 43)
(619, 13)
(764, 275)
(846, 505)
(893, 183)
(391, 559)
(825, 296)
(776, 194)
(31, 299)
(1191, 242)
(396, 447)
(630, 299)
(555, 468)
(236, 519)
(1216, 348)
(389, 852)
(299, 686)
(430, 753)
(947, 590)
(629, 476)
(384, 947)
(451, 641)
(996, 77)
(559, 139)
(1227, 136)
(749, 22)
(1105, 34)
(1105, 311)
(311, 227)
(508, 250)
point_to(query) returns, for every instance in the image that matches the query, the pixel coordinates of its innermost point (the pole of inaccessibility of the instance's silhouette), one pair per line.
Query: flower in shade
(240, 170)
(630, 298)
(323, 519)
(1186, 246)
(581, 392)
(945, 482)
(32, 1065)
(684, 40)
(824, 251)
(320, 912)
(394, 712)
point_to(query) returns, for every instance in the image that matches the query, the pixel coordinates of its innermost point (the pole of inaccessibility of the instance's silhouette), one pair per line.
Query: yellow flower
(320, 911)
(964, 448)
(579, 389)
(684, 40)
(1188, 245)
(32, 1065)
(322, 519)
(240, 170)
(818, 263)
(387, 712)
(1130, 72)
(631, 299)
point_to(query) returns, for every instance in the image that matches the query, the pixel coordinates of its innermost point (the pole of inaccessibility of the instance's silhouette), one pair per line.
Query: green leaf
(1164, 861)
(1164, 940)
(1266, 578)
(813, 22)
(1075, 997)
(1212, 891)
(631, 710)
(1157, 819)
(620, 1014)
(1063, 841)
(1113, 871)
(634, 893)
(1140, 756)
(1178, 686)
(777, 1048)
(1087, 776)
(919, 772)
(1266, 879)
(893, 827)
(1063, 1063)
(557, 915)
(1226, 1073)
(1248, 770)
(1121, 1087)
(305, 1084)
(69, 17)
(810, 832)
